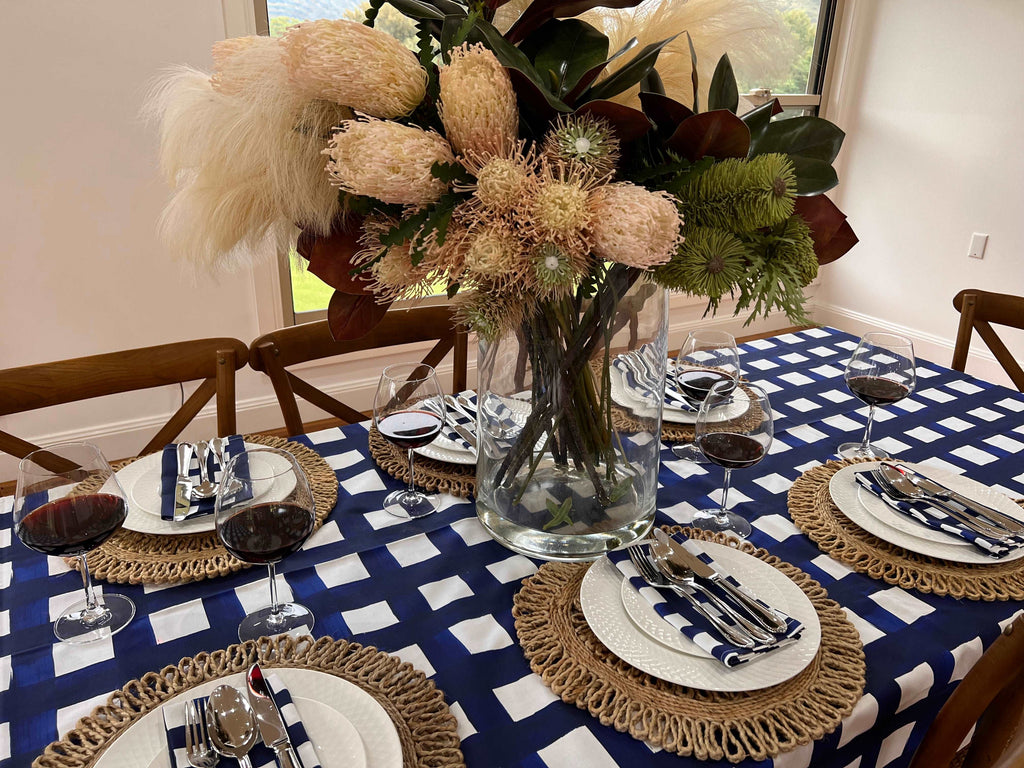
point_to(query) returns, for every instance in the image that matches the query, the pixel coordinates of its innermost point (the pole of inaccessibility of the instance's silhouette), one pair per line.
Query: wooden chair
(212, 360)
(991, 696)
(274, 352)
(978, 310)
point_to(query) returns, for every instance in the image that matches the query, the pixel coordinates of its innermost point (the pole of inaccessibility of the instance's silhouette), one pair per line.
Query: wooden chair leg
(963, 334)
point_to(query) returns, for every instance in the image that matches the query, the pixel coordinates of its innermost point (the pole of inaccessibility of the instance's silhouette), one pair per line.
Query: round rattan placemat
(432, 475)
(425, 725)
(130, 557)
(563, 650)
(814, 513)
(671, 431)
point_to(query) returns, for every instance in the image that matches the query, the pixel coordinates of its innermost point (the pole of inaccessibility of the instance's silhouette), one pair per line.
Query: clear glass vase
(570, 423)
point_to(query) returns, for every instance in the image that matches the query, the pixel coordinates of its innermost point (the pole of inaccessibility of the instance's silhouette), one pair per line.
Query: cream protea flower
(632, 225)
(559, 208)
(478, 106)
(394, 274)
(489, 314)
(583, 140)
(388, 161)
(354, 65)
(493, 250)
(501, 182)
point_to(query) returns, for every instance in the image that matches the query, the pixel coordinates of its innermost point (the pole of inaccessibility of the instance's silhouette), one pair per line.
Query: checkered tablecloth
(438, 591)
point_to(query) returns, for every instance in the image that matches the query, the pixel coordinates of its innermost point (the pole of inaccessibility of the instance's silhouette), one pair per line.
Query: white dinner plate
(601, 600)
(648, 621)
(324, 702)
(140, 481)
(853, 501)
(624, 395)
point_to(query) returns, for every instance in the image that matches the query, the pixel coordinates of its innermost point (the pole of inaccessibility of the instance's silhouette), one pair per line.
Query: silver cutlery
(206, 488)
(231, 724)
(671, 554)
(183, 483)
(936, 488)
(268, 716)
(458, 429)
(468, 435)
(468, 404)
(198, 747)
(219, 444)
(650, 573)
(684, 577)
(900, 488)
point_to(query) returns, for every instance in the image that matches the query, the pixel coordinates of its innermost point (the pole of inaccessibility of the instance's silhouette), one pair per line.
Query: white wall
(930, 96)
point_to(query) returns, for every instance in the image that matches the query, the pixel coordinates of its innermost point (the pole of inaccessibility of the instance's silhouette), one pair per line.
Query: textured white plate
(625, 395)
(648, 621)
(326, 703)
(601, 600)
(852, 501)
(140, 481)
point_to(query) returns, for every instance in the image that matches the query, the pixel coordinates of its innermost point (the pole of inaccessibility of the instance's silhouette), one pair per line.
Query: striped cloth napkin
(169, 476)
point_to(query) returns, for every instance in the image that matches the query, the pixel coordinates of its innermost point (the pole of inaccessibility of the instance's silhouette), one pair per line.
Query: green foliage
(740, 195)
(560, 513)
(564, 51)
(780, 266)
(710, 262)
(723, 93)
(630, 74)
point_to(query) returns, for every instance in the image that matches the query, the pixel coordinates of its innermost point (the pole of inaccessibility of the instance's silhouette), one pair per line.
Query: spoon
(206, 487)
(231, 723)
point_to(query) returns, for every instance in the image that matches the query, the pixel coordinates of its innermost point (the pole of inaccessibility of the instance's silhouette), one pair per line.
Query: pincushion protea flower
(354, 65)
(387, 161)
(585, 141)
(478, 106)
(632, 225)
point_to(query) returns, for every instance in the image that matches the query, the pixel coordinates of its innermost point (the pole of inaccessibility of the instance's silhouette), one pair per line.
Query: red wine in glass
(706, 357)
(265, 511)
(734, 430)
(410, 429)
(881, 371)
(67, 502)
(694, 385)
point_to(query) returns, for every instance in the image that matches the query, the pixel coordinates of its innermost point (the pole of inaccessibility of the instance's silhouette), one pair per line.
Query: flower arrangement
(518, 162)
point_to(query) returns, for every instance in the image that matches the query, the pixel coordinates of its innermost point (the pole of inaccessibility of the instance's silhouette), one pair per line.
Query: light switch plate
(978, 243)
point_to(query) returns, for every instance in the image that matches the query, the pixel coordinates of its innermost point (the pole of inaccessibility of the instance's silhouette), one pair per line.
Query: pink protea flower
(478, 106)
(355, 65)
(632, 225)
(388, 161)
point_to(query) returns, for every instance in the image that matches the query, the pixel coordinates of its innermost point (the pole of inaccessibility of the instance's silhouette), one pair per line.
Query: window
(798, 81)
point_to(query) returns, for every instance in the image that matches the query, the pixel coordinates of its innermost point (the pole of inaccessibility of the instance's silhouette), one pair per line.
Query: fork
(197, 740)
(650, 573)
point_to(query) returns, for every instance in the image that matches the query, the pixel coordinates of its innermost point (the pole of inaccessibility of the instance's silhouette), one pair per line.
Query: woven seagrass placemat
(426, 727)
(563, 650)
(671, 431)
(814, 513)
(144, 558)
(432, 475)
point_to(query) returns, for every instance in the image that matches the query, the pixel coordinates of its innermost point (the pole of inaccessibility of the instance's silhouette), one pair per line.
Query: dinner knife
(674, 552)
(183, 484)
(936, 488)
(268, 717)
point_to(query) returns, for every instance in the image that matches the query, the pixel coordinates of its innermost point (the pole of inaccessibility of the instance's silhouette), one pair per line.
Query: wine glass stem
(412, 486)
(866, 442)
(723, 512)
(93, 610)
(274, 607)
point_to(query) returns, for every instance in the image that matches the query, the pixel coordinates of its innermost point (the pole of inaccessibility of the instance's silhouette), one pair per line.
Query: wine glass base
(689, 452)
(857, 451)
(76, 626)
(729, 523)
(408, 504)
(290, 618)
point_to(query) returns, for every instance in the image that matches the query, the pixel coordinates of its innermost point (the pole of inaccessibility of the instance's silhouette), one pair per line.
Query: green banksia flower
(585, 141)
(710, 262)
(741, 195)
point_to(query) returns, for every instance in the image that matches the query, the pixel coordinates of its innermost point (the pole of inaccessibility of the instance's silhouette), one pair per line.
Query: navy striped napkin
(169, 476)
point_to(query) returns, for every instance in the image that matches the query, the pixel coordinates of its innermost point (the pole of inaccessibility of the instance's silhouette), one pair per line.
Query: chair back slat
(274, 352)
(979, 310)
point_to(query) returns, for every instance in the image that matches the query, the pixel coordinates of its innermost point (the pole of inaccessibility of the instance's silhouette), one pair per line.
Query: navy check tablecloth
(438, 591)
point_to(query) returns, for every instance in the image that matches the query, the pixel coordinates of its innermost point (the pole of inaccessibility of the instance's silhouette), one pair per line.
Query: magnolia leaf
(540, 11)
(757, 121)
(591, 75)
(694, 81)
(628, 124)
(415, 9)
(630, 74)
(534, 104)
(449, 172)
(723, 93)
(832, 234)
(330, 256)
(812, 137)
(717, 134)
(813, 176)
(664, 112)
(350, 317)
(569, 49)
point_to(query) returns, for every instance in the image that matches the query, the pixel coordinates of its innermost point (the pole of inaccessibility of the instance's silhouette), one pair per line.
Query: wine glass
(706, 357)
(67, 502)
(264, 511)
(734, 430)
(409, 411)
(881, 371)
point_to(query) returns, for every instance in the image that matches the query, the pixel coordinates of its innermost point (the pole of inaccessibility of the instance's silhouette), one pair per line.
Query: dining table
(438, 591)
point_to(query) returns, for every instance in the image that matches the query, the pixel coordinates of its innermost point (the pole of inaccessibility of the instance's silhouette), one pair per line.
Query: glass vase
(570, 422)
